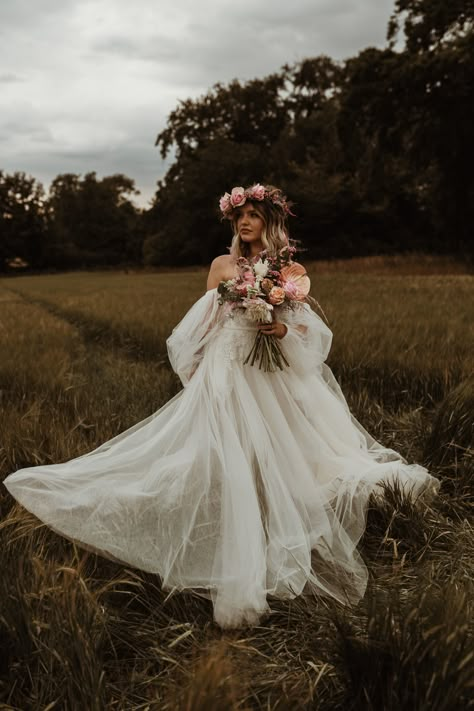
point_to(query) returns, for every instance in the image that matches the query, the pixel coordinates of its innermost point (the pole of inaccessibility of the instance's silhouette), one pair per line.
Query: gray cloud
(23, 14)
(10, 78)
(88, 86)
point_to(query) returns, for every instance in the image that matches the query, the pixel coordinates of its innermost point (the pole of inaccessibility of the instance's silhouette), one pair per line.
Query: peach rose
(276, 295)
(237, 197)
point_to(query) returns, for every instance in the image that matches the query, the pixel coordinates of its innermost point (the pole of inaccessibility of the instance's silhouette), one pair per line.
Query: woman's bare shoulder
(220, 268)
(223, 264)
(222, 260)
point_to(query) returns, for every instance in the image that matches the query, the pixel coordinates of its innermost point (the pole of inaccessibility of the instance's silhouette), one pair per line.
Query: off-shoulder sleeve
(188, 339)
(307, 342)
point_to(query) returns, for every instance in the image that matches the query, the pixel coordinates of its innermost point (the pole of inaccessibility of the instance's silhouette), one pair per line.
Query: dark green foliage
(427, 24)
(93, 221)
(82, 222)
(184, 224)
(376, 152)
(23, 220)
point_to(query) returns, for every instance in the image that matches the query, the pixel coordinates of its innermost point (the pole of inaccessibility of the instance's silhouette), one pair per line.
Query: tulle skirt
(244, 485)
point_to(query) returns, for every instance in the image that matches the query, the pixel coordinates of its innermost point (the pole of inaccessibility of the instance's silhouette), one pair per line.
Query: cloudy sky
(88, 84)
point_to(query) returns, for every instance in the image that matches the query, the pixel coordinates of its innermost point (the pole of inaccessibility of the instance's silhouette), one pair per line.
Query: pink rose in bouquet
(249, 277)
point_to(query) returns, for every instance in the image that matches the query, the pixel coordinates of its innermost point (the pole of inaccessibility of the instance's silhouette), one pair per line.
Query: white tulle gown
(244, 484)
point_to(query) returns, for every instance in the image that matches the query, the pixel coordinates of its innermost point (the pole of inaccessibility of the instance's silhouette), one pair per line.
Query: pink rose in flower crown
(276, 296)
(224, 202)
(257, 192)
(237, 197)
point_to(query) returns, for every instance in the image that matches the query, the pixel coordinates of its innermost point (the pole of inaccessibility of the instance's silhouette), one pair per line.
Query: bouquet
(262, 286)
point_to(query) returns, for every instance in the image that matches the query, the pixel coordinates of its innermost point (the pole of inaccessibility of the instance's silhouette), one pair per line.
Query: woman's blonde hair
(275, 230)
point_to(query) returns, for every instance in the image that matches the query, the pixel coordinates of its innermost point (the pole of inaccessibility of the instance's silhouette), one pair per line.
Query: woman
(249, 482)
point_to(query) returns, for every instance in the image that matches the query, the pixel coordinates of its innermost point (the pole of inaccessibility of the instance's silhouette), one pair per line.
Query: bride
(249, 482)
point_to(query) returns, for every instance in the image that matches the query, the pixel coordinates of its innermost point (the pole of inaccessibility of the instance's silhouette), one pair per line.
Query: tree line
(375, 152)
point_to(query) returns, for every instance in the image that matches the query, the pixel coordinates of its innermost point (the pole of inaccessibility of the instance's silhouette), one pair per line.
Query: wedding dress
(245, 484)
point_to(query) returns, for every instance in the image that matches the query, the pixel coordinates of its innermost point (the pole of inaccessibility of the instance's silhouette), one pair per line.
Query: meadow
(83, 357)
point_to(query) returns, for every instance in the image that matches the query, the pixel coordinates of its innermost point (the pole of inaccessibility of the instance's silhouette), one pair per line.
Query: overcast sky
(88, 84)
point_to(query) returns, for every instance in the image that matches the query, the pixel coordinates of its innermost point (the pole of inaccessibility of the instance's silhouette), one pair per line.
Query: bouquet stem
(268, 352)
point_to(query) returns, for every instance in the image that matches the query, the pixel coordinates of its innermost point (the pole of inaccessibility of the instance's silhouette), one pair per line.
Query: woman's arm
(188, 339)
(308, 339)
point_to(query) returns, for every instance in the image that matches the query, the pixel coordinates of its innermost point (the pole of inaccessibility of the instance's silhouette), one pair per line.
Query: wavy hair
(275, 231)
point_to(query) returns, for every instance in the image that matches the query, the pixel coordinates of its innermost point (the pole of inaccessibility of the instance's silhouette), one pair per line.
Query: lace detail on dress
(229, 346)
(236, 338)
(306, 343)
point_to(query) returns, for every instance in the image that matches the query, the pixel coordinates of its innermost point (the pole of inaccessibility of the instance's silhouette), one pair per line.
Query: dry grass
(401, 264)
(82, 357)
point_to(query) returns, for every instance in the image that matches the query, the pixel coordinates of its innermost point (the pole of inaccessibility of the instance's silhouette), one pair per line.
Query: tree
(435, 82)
(93, 221)
(23, 220)
(430, 25)
(235, 134)
(252, 113)
(184, 225)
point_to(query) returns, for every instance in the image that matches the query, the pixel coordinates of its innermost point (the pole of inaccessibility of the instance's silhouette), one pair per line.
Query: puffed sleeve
(188, 339)
(307, 342)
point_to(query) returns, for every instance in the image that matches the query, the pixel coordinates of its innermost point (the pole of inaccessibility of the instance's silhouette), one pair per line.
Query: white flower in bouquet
(261, 268)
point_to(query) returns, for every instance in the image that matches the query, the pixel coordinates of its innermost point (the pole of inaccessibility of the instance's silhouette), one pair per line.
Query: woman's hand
(275, 328)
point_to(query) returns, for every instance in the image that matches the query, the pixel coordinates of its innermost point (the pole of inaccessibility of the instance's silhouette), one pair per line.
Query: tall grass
(83, 356)
(396, 336)
(411, 653)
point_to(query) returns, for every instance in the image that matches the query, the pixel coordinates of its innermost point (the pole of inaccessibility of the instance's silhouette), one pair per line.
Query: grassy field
(83, 356)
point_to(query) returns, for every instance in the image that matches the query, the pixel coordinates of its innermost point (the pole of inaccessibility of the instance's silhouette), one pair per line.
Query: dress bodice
(226, 335)
(238, 321)
(235, 336)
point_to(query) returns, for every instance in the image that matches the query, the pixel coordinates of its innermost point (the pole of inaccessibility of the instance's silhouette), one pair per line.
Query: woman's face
(249, 223)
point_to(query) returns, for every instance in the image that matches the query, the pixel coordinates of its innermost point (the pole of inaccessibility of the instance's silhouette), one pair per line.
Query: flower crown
(238, 196)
